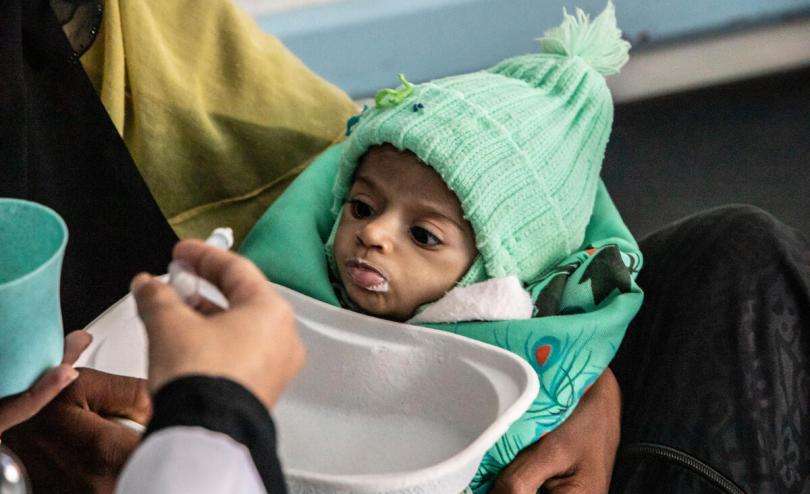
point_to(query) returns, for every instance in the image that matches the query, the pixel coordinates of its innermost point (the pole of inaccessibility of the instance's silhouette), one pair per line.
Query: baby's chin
(378, 304)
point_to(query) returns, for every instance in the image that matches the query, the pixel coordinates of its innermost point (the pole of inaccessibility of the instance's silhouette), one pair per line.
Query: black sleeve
(221, 405)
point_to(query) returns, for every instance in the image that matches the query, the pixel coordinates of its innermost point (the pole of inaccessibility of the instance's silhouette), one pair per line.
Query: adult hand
(19, 408)
(70, 447)
(254, 342)
(577, 456)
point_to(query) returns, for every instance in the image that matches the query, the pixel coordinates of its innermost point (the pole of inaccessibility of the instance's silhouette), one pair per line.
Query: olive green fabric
(219, 116)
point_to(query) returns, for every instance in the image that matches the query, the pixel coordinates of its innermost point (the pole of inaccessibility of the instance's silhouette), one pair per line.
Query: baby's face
(402, 240)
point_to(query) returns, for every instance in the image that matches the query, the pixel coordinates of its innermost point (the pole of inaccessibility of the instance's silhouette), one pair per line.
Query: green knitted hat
(521, 144)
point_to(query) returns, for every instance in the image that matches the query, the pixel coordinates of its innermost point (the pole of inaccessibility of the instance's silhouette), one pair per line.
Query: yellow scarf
(218, 116)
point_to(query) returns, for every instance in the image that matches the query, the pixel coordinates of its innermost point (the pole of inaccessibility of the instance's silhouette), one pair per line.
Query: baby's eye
(424, 237)
(360, 209)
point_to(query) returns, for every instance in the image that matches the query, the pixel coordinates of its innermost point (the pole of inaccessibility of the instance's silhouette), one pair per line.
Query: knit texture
(521, 144)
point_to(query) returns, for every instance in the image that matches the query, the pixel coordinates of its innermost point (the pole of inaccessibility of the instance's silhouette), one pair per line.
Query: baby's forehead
(402, 172)
(388, 154)
(387, 164)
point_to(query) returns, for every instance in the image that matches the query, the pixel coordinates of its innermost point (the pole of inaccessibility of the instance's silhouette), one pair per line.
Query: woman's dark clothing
(717, 362)
(58, 147)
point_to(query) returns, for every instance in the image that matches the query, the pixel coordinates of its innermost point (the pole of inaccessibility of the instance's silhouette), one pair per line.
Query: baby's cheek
(342, 243)
(429, 289)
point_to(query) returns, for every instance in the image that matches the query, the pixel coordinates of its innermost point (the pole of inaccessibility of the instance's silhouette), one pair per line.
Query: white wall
(361, 45)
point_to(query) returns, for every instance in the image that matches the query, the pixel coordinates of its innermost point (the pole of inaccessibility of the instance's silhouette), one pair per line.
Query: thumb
(19, 408)
(160, 308)
(75, 343)
(530, 469)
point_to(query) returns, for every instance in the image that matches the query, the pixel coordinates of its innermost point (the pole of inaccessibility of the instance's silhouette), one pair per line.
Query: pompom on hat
(520, 144)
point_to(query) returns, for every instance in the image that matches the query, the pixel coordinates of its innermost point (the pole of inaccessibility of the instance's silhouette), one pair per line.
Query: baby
(402, 240)
(474, 203)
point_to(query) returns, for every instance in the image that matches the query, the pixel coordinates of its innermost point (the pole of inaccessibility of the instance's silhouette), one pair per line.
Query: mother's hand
(69, 446)
(576, 457)
(19, 408)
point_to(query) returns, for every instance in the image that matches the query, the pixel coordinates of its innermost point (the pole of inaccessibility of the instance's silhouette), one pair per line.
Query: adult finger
(531, 468)
(160, 307)
(75, 343)
(113, 396)
(19, 408)
(204, 306)
(95, 445)
(238, 278)
(574, 486)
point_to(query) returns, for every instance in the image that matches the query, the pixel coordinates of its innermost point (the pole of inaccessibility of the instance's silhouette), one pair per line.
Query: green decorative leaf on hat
(392, 97)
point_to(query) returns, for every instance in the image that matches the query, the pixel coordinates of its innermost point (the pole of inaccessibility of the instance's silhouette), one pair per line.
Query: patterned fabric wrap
(583, 305)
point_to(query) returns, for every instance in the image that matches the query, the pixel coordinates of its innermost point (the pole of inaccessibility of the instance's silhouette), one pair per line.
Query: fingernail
(138, 281)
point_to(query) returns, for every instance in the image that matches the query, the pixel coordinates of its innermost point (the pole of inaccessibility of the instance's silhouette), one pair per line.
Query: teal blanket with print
(582, 306)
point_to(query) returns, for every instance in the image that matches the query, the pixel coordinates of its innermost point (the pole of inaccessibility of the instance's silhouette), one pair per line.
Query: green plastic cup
(32, 245)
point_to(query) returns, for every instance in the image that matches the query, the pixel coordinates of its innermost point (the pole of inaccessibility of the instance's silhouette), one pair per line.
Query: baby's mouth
(366, 276)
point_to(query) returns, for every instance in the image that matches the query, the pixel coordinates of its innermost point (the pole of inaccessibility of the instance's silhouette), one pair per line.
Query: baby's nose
(378, 233)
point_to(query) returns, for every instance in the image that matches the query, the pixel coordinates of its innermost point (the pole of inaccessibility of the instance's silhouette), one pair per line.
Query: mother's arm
(577, 456)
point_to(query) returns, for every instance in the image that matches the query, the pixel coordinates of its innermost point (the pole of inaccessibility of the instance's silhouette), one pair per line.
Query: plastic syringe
(193, 289)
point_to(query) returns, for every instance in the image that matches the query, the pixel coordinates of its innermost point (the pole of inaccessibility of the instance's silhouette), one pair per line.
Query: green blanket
(582, 306)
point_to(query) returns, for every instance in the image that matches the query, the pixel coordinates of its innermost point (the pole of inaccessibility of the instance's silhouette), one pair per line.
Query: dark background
(744, 142)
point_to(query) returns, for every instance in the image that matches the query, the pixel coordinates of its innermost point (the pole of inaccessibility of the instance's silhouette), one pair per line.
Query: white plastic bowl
(381, 407)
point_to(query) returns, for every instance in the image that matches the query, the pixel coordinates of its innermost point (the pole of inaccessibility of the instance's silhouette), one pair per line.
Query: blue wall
(361, 45)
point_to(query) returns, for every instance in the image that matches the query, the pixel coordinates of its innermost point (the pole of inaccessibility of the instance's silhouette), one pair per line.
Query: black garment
(221, 405)
(717, 362)
(59, 147)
